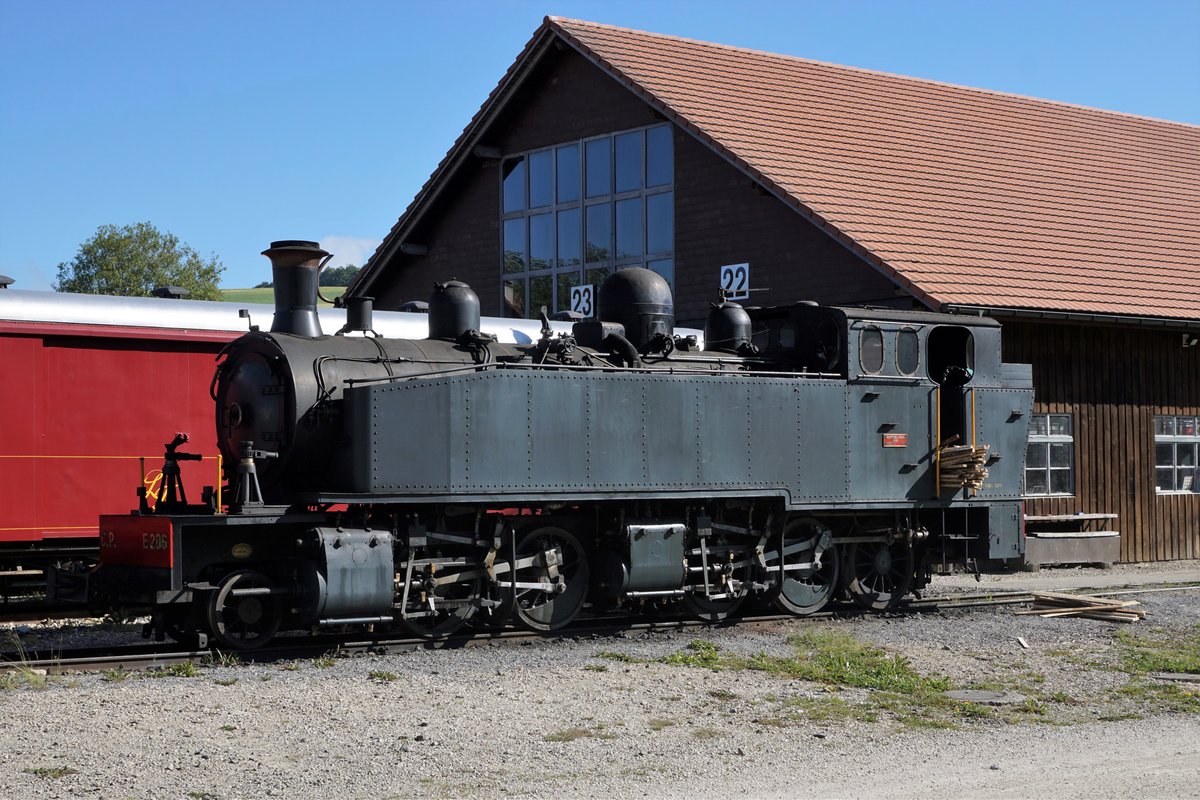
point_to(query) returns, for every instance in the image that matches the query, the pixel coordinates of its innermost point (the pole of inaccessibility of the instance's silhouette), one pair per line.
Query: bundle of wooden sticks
(1057, 604)
(962, 466)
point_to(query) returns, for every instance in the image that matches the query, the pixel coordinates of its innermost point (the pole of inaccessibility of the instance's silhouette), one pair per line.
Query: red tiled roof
(964, 196)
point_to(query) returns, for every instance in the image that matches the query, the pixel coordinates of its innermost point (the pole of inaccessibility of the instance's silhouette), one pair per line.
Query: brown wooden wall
(1113, 381)
(721, 217)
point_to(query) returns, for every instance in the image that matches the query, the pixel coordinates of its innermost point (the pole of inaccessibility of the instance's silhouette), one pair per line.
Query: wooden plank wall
(1113, 381)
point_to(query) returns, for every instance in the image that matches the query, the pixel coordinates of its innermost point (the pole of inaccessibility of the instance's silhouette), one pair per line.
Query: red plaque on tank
(895, 440)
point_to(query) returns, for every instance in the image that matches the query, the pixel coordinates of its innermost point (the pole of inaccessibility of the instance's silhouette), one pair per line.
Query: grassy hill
(268, 295)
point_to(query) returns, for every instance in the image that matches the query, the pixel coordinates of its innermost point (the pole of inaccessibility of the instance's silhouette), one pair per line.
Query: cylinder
(295, 266)
(453, 310)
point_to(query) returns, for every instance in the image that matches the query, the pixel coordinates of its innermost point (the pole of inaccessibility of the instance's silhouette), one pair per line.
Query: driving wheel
(877, 574)
(243, 614)
(805, 565)
(727, 569)
(550, 580)
(436, 603)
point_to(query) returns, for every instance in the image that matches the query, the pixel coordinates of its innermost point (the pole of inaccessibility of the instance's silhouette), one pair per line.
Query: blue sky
(234, 123)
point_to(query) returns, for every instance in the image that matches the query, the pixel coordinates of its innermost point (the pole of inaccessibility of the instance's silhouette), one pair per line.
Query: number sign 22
(581, 299)
(735, 281)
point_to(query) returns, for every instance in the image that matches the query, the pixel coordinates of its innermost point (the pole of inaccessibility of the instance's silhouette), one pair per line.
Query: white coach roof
(200, 315)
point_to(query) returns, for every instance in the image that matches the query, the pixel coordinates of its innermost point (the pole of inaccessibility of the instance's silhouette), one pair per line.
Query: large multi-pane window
(572, 214)
(1175, 444)
(1050, 456)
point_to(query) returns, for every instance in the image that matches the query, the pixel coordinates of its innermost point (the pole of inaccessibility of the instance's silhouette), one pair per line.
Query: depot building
(778, 179)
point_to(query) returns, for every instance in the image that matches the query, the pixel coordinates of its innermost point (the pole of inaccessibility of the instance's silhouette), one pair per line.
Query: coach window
(1050, 456)
(1175, 444)
(870, 349)
(908, 351)
(574, 213)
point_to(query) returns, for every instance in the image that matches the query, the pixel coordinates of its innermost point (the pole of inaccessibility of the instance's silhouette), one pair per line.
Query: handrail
(500, 365)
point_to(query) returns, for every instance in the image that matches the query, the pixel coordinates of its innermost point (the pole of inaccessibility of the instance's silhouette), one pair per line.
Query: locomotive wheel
(542, 610)
(878, 575)
(435, 622)
(804, 590)
(736, 570)
(242, 613)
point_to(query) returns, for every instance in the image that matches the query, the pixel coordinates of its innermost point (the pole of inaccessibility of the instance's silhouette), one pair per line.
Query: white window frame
(1046, 440)
(1178, 441)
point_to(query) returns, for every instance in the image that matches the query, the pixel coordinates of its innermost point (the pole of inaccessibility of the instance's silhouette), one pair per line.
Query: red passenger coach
(95, 386)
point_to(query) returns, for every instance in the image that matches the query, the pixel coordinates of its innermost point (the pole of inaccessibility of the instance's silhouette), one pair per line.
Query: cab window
(908, 351)
(951, 355)
(870, 349)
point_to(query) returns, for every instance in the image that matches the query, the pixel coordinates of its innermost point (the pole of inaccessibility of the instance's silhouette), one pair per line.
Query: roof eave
(1056, 315)
(454, 160)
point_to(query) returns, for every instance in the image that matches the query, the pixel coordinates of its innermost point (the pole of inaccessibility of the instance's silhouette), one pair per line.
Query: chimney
(295, 266)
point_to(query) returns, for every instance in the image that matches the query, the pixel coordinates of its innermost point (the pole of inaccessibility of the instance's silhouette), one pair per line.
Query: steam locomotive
(796, 454)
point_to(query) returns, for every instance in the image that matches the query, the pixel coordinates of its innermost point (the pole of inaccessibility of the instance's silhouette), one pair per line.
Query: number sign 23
(581, 300)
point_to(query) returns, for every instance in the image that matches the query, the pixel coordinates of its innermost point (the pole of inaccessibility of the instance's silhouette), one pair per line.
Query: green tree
(335, 276)
(132, 260)
(339, 276)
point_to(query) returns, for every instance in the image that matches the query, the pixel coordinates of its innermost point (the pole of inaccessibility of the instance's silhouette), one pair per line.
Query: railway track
(143, 656)
(126, 657)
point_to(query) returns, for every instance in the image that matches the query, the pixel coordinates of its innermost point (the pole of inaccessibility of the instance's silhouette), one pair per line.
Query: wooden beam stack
(1058, 604)
(962, 466)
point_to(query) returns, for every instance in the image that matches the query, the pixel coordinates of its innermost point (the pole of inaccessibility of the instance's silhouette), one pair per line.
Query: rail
(154, 656)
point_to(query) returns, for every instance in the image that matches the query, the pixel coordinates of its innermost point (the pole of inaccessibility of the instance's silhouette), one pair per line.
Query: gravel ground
(607, 717)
